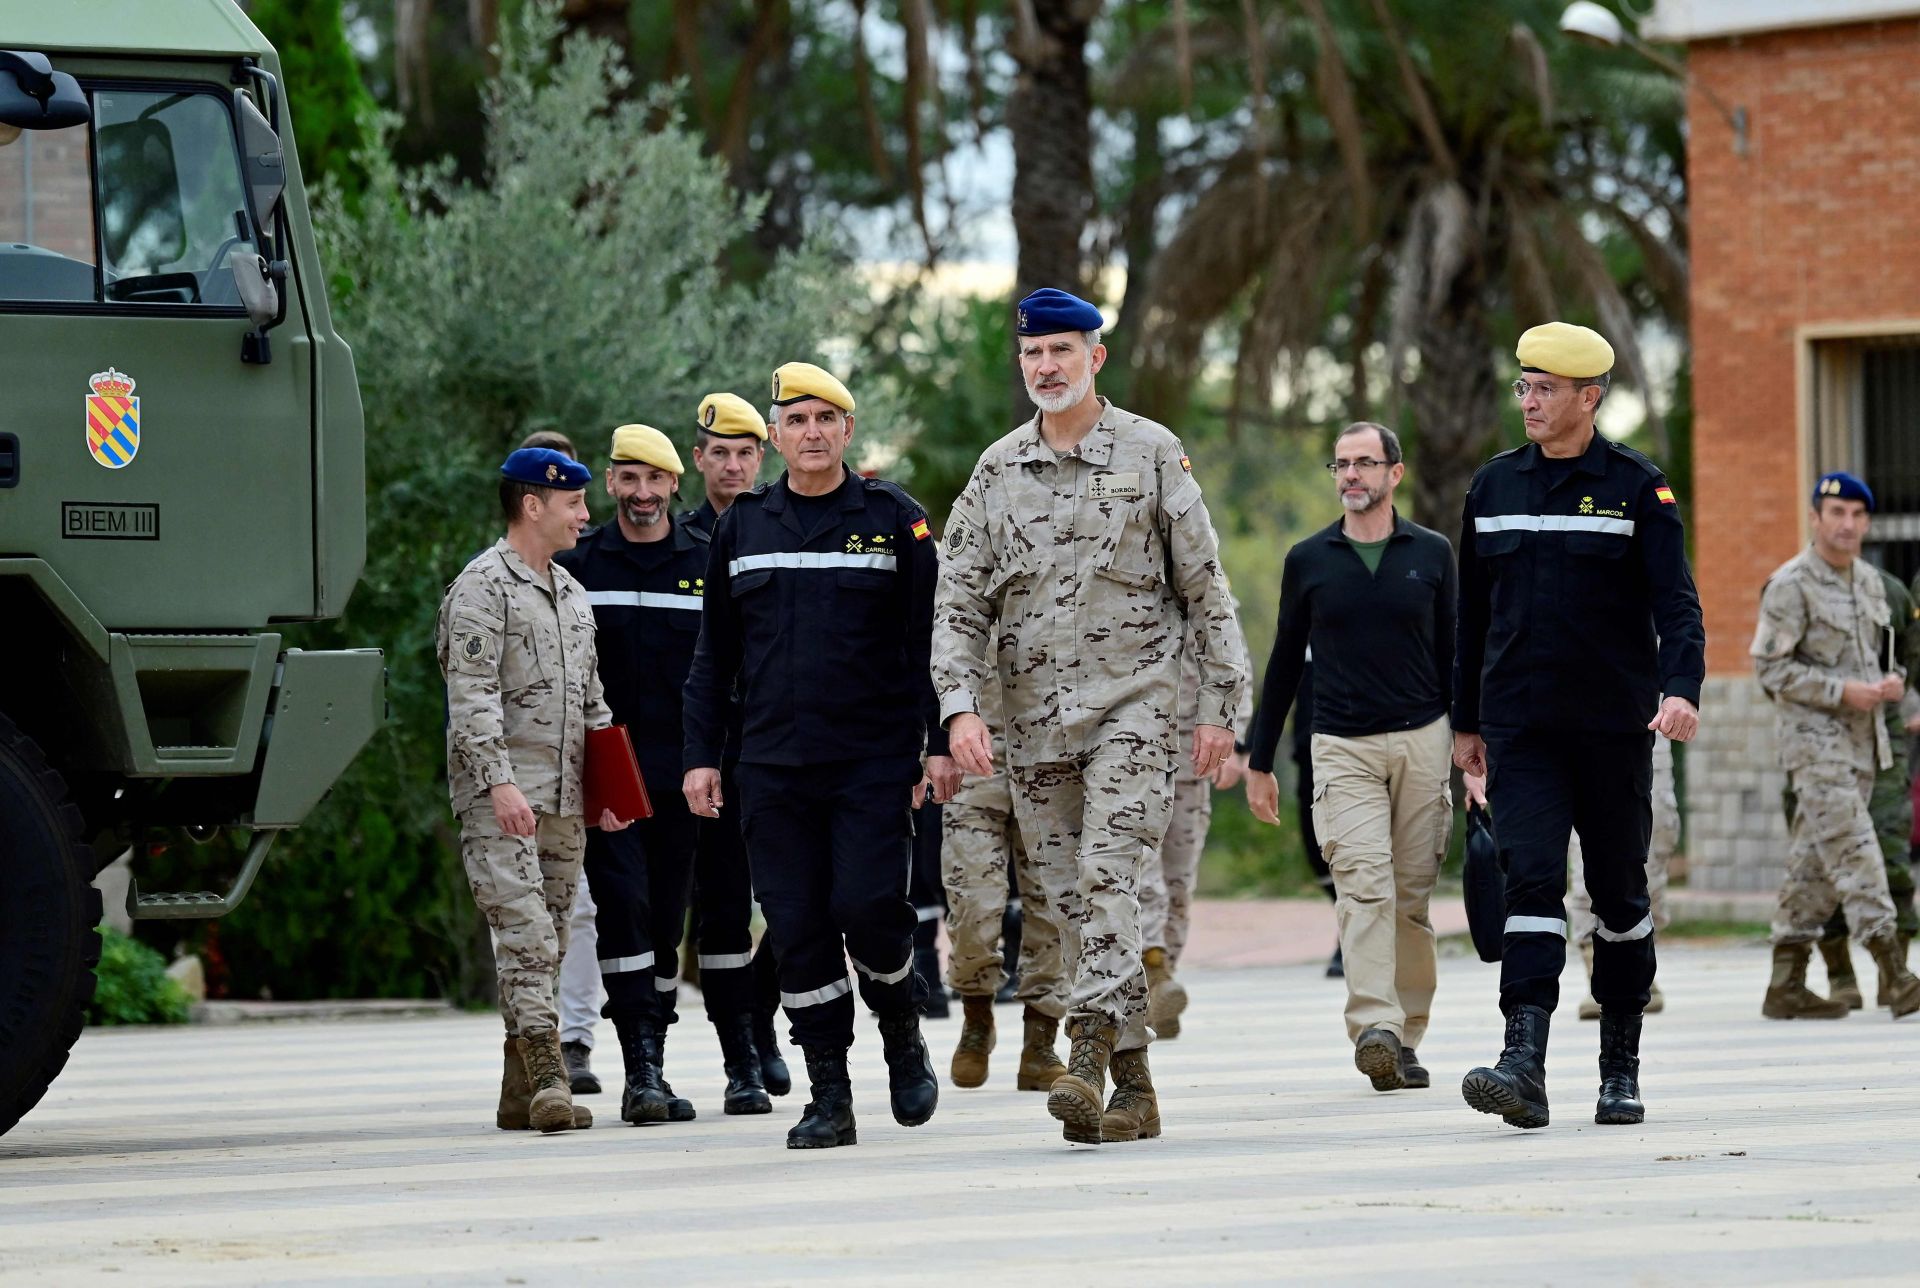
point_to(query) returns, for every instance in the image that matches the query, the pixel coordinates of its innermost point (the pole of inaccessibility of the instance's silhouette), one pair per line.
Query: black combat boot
(1619, 1071)
(910, 1081)
(1516, 1086)
(642, 1099)
(580, 1075)
(679, 1109)
(1012, 924)
(773, 1066)
(828, 1118)
(745, 1093)
(926, 964)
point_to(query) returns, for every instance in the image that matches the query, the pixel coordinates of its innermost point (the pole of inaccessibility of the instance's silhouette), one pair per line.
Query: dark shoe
(642, 1097)
(1619, 1102)
(1842, 984)
(679, 1110)
(1516, 1087)
(827, 1120)
(580, 1076)
(914, 1090)
(969, 1068)
(1376, 1053)
(745, 1093)
(1012, 921)
(1134, 1111)
(1336, 965)
(1788, 997)
(773, 1066)
(1899, 989)
(1413, 1074)
(1077, 1096)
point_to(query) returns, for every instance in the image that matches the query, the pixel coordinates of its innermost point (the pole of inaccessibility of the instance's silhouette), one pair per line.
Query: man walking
(1373, 596)
(1580, 638)
(819, 603)
(515, 642)
(1824, 653)
(1075, 558)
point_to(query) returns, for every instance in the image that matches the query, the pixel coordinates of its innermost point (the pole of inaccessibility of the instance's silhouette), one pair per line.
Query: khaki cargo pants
(1835, 857)
(1383, 810)
(979, 840)
(524, 887)
(1088, 824)
(1173, 868)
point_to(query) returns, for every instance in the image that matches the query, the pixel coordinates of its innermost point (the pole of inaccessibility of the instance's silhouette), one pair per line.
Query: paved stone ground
(364, 1152)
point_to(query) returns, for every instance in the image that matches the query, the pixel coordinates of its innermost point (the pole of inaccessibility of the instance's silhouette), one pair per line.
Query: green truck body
(181, 463)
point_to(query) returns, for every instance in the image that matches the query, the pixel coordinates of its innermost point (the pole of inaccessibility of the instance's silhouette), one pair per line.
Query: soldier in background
(515, 641)
(982, 848)
(1890, 806)
(1173, 866)
(1823, 652)
(1082, 546)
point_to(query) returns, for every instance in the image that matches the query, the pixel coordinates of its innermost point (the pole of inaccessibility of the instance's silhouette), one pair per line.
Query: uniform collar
(1826, 572)
(516, 565)
(611, 539)
(1095, 449)
(1591, 461)
(780, 495)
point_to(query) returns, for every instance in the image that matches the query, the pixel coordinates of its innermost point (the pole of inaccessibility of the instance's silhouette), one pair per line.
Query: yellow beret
(798, 380)
(645, 445)
(731, 416)
(1561, 349)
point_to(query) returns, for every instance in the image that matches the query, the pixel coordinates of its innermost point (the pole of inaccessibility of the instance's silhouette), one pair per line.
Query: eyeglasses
(1363, 463)
(1545, 392)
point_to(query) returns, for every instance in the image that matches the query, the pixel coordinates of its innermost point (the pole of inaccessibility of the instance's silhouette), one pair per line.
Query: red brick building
(1804, 178)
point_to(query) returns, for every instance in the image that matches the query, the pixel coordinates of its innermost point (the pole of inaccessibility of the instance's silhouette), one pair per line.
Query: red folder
(612, 777)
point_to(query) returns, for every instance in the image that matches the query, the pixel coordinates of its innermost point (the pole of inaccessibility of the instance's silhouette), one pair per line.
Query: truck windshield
(159, 214)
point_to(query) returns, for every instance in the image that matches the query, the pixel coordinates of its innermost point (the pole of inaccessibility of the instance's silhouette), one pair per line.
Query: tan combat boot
(516, 1095)
(1134, 1111)
(1078, 1095)
(1589, 1009)
(1788, 997)
(550, 1108)
(1842, 984)
(1166, 996)
(1040, 1068)
(976, 1040)
(1899, 989)
(1886, 989)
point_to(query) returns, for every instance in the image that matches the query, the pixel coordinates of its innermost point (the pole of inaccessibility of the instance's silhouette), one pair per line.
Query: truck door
(166, 481)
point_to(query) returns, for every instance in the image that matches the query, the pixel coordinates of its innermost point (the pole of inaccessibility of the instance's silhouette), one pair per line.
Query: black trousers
(641, 877)
(830, 847)
(723, 908)
(1544, 785)
(924, 887)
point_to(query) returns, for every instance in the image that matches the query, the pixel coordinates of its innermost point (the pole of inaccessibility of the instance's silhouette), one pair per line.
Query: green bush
(133, 987)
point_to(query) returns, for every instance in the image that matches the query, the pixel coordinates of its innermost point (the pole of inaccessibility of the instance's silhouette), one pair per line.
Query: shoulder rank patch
(1665, 494)
(919, 527)
(1186, 464)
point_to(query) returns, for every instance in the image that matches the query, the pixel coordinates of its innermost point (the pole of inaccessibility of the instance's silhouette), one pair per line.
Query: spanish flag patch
(919, 529)
(1186, 465)
(1665, 494)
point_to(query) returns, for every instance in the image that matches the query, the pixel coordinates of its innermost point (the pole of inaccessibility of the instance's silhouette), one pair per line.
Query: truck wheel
(49, 944)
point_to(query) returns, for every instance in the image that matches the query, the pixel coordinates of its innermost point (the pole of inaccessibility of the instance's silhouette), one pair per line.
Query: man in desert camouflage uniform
(1824, 654)
(515, 641)
(1173, 867)
(981, 842)
(1082, 547)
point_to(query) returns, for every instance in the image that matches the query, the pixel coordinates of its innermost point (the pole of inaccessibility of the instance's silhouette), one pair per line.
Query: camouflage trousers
(1891, 808)
(1835, 859)
(1166, 888)
(1088, 824)
(980, 841)
(524, 887)
(1664, 843)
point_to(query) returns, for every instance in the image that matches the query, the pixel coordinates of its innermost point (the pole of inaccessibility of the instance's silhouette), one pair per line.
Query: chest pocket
(1598, 545)
(530, 649)
(1492, 545)
(1133, 553)
(862, 603)
(1829, 629)
(747, 583)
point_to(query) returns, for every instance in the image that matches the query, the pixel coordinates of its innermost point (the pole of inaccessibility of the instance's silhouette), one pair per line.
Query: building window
(1866, 419)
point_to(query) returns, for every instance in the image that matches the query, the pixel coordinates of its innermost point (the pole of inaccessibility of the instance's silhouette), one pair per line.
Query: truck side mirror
(260, 296)
(35, 97)
(262, 159)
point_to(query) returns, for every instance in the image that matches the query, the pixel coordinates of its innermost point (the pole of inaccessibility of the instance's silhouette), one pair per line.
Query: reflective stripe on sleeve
(839, 988)
(665, 985)
(1537, 926)
(642, 599)
(809, 559)
(1641, 930)
(621, 965)
(1552, 523)
(890, 977)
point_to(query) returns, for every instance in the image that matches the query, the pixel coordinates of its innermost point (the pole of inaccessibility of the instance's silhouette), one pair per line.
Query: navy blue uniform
(821, 610)
(646, 599)
(1577, 613)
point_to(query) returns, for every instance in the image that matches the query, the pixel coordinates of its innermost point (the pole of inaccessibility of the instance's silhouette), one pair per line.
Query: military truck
(181, 476)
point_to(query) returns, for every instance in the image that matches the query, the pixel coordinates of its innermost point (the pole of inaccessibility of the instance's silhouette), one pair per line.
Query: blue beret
(1048, 312)
(544, 467)
(1843, 485)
